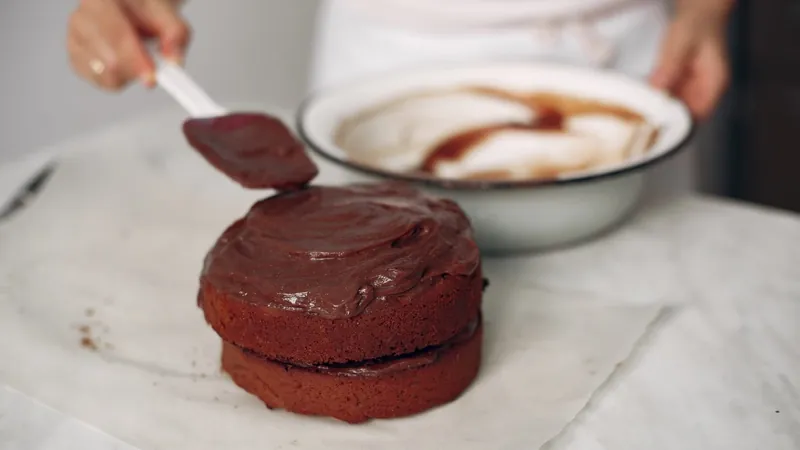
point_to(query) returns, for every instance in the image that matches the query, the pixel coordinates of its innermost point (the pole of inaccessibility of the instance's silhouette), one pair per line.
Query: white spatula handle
(180, 86)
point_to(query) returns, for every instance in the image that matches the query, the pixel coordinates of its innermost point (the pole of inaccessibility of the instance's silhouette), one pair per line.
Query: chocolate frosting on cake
(335, 251)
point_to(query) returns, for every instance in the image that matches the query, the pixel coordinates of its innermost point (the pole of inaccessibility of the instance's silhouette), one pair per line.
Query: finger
(162, 20)
(92, 68)
(676, 52)
(106, 34)
(710, 80)
(702, 102)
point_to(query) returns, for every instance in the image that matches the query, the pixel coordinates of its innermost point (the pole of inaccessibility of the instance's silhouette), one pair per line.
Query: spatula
(254, 149)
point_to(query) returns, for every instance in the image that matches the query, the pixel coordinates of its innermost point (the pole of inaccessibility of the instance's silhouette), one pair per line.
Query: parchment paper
(98, 319)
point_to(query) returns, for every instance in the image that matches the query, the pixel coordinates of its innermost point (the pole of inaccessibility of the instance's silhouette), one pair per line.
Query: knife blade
(27, 192)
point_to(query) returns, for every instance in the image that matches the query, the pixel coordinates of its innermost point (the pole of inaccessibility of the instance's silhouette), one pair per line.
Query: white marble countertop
(720, 372)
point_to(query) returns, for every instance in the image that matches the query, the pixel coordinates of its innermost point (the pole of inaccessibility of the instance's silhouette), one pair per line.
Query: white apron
(352, 43)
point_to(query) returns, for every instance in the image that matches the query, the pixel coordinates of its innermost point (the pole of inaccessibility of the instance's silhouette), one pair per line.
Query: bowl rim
(483, 185)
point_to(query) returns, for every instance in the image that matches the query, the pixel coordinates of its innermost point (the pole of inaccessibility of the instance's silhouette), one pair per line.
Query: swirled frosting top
(336, 252)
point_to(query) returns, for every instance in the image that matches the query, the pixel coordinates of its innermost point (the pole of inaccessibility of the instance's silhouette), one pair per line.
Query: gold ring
(97, 67)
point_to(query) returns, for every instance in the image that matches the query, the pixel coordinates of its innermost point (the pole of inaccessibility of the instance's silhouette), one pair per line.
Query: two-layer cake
(354, 302)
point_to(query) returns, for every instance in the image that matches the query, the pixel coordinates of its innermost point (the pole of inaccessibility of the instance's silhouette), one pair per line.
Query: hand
(106, 39)
(694, 60)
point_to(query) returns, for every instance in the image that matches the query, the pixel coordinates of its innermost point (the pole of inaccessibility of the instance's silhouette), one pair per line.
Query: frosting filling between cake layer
(388, 365)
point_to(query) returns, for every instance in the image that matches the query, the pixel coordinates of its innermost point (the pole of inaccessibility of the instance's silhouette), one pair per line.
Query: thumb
(162, 19)
(676, 52)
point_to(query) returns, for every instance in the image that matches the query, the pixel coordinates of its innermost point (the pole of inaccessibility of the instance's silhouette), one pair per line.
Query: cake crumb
(92, 343)
(89, 312)
(88, 343)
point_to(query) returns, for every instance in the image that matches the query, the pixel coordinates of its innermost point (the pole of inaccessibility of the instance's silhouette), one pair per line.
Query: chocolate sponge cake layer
(385, 388)
(408, 323)
(338, 274)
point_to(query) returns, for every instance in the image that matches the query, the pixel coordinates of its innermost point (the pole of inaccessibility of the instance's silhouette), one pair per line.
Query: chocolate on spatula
(256, 150)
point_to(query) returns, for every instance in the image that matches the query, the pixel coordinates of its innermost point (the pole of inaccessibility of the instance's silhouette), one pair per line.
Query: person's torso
(460, 14)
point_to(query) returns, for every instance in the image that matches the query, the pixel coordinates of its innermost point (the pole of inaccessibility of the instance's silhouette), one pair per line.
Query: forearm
(703, 9)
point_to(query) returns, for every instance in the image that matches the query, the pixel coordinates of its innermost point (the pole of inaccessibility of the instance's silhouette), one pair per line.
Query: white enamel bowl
(512, 216)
